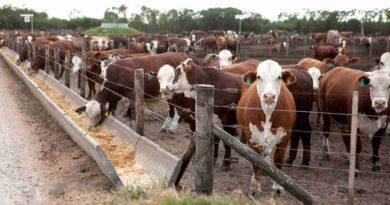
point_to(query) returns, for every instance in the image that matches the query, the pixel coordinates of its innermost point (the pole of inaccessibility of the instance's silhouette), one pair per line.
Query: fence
(202, 141)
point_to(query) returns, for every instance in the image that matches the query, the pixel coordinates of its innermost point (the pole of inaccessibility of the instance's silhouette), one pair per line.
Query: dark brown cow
(322, 52)
(120, 79)
(93, 65)
(335, 98)
(208, 42)
(341, 61)
(39, 61)
(188, 73)
(319, 37)
(267, 116)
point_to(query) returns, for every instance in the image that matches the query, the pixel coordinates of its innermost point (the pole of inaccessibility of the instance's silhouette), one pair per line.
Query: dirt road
(39, 163)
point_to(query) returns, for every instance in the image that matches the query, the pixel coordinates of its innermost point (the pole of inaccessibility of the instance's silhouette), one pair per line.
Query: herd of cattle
(272, 102)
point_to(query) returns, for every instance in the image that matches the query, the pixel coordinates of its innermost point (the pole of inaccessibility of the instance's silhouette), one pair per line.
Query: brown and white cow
(335, 99)
(176, 44)
(120, 80)
(266, 112)
(182, 81)
(341, 61)
(220, 60)
(322, 52)
(383, 63)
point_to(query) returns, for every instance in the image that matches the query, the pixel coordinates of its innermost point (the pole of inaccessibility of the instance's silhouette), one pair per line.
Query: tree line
(174, 21)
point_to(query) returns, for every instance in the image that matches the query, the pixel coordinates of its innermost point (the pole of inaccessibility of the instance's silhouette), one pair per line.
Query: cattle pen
(320, 177)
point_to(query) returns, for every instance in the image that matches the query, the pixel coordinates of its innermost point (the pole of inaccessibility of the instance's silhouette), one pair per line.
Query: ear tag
(362, 83)
(106, 114)
(248, 81)
(80, 113)
(149, 77)
(330, 65)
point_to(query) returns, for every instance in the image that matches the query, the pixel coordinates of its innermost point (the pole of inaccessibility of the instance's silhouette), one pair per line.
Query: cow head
(315, 75)
(76, 63)
(103, 65)
(101, 43)
(341, 61)
(94, 111)
(379, 82)
(269, 81)
(184, 74)
(384, 61)
(153, 47)
(165, 77)
(226, 58)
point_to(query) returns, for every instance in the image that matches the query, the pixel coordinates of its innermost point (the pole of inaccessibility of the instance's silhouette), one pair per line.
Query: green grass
(98, 31)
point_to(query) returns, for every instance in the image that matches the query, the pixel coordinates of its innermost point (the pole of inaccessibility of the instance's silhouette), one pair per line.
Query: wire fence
(185, 131)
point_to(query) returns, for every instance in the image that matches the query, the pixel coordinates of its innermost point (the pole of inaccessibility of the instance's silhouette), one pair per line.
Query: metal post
(352, 153)
(83, 75)
(139, 101)
(57, 65)
(47, 60)
(204, 160)
(67, 68)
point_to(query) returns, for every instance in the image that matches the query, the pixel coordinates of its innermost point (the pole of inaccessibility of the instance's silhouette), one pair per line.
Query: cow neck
(204, 75)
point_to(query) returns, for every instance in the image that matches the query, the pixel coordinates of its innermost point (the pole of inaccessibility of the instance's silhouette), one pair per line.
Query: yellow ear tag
(106, 114)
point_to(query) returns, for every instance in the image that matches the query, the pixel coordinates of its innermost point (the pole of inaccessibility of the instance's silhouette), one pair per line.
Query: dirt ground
(39, 163)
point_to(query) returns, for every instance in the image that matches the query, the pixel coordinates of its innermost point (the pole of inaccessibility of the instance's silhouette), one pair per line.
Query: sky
(268, 8)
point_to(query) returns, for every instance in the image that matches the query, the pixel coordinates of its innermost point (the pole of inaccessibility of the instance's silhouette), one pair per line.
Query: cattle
(333, 37)
(178, 44)
(279, 47)
(341, 61)
(224, 58)
(322, 52)
(216, 33)
(383, 63)
(366, 43)
(311, 62)
(296, 37)
(266, 113)
(120, 83)
(303, 93)
(94, 66)
(318, 37)
(346, 34)
(373, 107)
(229, 43)
(183, 80)
(119, 41)
(242, 67)
(208, 42)
(39, 61)
(101, 44)
(139, 47)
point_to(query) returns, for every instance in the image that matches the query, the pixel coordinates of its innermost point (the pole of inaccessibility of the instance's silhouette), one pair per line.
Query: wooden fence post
(47, 60)
(57, 65)
(139, 100)
(82, 75)
(67, 68)
(352, 153)
(204, 160)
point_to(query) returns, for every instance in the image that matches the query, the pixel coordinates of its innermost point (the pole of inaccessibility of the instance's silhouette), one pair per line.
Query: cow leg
(325, 142)
(376, 142)
(62, 71)
(278, 161)
(293, 147)
(216, 148)
(255, 186)
(175, 121)
(91, 88)
(168, 120)
(306, 138)
(347, 143)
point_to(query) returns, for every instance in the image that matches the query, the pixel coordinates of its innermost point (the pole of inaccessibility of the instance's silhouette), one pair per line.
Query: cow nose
(269, 96)
(380, 103)
(163, 90)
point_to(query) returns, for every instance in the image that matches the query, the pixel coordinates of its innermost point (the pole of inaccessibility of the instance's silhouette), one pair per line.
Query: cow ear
(288, 77)
(354, 60)
(249, 77)
(152, 73)
(376, 61)
(328, 60)
(186, 66)
(364, 80)
(81, 109)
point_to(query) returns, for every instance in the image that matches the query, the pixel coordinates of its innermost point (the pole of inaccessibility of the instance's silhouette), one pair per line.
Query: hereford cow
(279, 47)
(373, 108)
(311, 62)
(266, 112)
(341, 61)
(322, 52)
(383, 63)
(39, 61)
(178, 44)
(183, 80)
(224, 58)
(333, 37)
(120, 81)
(94, 65)
(318, 37)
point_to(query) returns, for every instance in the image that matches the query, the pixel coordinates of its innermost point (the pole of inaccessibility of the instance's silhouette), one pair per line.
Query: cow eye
(381, 63)
(279, 78)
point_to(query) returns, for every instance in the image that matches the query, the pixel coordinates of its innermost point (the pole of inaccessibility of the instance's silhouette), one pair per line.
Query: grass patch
(192, 199)
(98, 31)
